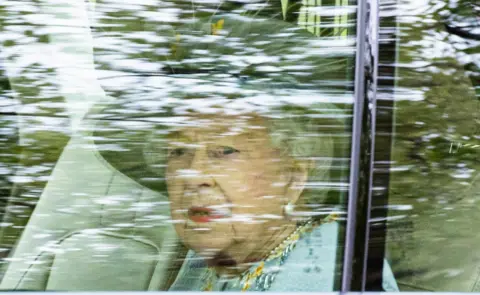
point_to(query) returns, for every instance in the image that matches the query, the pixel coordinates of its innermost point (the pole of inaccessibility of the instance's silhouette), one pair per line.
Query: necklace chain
(263, 280)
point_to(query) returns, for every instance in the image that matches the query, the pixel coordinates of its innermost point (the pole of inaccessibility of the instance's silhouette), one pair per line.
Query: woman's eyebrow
(179, 136)
(231, 136)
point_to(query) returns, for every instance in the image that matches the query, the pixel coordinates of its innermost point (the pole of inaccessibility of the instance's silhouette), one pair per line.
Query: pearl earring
(288, 209)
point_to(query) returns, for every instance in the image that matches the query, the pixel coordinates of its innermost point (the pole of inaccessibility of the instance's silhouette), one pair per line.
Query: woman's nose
(200, 175)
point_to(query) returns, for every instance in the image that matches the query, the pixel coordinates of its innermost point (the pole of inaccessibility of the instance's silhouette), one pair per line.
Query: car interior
(87, 226)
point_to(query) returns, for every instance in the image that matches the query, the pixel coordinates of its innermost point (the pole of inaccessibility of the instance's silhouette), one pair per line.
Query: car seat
(93, 228)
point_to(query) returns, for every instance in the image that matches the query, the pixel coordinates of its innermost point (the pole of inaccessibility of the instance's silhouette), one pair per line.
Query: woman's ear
(299, 177)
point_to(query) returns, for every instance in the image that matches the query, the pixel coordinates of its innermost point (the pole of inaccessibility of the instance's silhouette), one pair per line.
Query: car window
(177, 145)
(428, 113)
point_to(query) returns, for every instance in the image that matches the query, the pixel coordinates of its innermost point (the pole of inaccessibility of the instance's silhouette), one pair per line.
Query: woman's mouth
(203, 214)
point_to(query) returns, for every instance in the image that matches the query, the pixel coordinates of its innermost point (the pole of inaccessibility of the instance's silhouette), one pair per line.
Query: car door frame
(367, 208)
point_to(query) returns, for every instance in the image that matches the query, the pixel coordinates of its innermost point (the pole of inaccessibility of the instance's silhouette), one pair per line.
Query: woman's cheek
(174, 187)
(176, 201)
(177, 213)
(260, 184)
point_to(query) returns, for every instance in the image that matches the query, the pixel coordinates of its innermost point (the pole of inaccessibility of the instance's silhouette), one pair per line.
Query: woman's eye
(178, 152)
(226, 150)
(223, 151)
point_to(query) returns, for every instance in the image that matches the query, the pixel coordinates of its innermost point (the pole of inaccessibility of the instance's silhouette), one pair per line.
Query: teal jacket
(310, 267)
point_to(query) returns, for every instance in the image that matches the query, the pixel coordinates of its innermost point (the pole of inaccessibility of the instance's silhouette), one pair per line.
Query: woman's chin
(207, 244)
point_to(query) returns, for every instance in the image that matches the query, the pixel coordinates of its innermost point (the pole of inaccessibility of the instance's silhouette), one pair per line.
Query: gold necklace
(282, 251)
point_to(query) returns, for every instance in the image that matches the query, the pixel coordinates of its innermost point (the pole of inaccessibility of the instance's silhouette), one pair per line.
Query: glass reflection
(242, 145)
(207, 144)
(432, 189)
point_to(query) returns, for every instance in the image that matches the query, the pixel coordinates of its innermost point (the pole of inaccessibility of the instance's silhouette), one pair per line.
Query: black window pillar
(355, 262)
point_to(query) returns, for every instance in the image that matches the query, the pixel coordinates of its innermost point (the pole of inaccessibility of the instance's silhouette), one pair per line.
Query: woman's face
(227, 185)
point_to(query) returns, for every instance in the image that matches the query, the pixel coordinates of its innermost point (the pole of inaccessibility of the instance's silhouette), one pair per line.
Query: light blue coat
(310, 267)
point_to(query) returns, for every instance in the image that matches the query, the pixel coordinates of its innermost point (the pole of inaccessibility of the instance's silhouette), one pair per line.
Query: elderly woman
(243, 127)
(233, 193)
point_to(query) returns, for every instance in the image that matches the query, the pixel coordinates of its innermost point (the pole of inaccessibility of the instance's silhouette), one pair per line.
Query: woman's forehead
(219, 126)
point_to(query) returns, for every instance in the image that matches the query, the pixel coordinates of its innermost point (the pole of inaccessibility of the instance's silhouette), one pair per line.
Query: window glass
(175, 145)
(433, 167)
